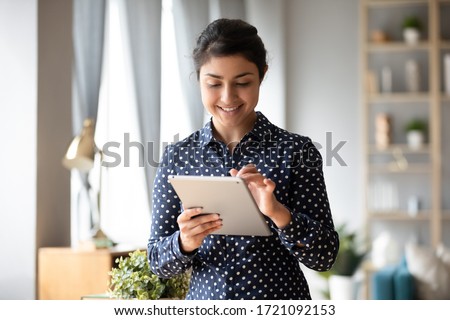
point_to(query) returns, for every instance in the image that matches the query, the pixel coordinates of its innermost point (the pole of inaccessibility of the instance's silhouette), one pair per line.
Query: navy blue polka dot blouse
(236, 267)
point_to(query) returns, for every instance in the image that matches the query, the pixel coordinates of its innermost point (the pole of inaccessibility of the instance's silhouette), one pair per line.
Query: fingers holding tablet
(194, 226)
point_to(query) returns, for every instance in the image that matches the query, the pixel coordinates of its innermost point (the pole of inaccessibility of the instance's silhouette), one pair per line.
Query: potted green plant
(133, 279)
(340, 276)
(411, 29)
(415, 133)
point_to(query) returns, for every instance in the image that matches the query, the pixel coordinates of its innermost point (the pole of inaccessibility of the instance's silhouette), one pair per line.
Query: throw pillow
(431, 276)
(444, 254)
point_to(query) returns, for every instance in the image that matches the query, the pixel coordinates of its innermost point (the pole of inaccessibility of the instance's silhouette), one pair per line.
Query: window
(124, 206)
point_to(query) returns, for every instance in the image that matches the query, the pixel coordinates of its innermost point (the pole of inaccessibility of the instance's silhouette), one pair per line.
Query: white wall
(35, 114)
(269, 17)
(322, 96)
(323, 93)
(18, 114)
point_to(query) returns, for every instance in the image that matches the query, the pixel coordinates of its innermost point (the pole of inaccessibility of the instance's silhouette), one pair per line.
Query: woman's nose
(228, 95)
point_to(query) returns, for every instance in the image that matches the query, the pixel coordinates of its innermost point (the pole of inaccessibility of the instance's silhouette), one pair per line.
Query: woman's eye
(213, 85)
(242, 84)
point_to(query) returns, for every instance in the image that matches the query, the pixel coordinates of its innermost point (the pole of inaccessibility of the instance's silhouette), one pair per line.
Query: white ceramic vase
(341, 287)
(411, 36)
(415, 139)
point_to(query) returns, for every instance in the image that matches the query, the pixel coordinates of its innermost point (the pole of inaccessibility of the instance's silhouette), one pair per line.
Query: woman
(283, 171)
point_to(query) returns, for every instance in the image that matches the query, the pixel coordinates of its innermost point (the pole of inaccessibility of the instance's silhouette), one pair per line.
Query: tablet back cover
(228, 196)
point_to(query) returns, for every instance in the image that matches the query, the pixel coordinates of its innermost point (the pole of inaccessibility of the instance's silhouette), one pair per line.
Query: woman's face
(230, 91)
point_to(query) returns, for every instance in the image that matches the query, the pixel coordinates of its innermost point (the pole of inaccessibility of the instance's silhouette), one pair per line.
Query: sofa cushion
(444, 254)
(432, 279)
(383, 283)
(404, 288)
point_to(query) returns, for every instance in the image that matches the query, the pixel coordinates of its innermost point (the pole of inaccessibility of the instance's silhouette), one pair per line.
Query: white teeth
(228, 109)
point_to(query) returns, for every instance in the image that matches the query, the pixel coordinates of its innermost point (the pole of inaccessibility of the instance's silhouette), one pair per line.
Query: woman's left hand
(262, 191)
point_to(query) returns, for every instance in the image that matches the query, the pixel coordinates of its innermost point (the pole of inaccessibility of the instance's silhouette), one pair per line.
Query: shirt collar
(261, 130)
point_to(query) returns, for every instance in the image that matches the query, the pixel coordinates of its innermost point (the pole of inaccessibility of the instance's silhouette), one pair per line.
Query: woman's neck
(232, 135)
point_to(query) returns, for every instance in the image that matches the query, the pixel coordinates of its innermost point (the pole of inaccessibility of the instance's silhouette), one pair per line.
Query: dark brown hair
(228, 37)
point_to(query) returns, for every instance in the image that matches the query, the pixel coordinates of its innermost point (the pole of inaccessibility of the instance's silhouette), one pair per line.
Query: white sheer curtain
(124, 194)
(177, 118)
(144, 26)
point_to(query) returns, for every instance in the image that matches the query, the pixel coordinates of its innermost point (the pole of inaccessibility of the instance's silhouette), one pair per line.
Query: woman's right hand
(195, 226)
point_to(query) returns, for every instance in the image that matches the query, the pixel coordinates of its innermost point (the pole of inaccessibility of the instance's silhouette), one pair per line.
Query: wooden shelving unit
(426, 175)
(397, 47)
(403, 148)
(398, 98)
(400, 216)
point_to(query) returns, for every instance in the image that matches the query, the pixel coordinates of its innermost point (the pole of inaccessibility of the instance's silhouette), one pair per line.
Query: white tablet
(228, 196)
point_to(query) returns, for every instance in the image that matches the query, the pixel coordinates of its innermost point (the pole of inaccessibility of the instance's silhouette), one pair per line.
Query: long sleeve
(165, 257)
(310, 236)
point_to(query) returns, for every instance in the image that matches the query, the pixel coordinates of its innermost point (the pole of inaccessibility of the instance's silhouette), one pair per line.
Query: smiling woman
(282, 170)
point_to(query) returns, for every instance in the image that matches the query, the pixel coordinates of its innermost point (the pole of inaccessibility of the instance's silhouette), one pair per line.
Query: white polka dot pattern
(235, 267)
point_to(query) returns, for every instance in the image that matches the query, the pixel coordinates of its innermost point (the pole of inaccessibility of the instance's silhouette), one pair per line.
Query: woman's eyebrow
(221, 77)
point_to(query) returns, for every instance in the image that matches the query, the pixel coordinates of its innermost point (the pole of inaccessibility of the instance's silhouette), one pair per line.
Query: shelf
(399, 216)
(398, 46)
(404, 148)
(402, 97)
(389, 3)
(386, 168)
(445, 44)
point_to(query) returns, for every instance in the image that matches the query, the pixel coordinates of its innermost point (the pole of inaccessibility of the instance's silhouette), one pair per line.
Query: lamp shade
(81, 152)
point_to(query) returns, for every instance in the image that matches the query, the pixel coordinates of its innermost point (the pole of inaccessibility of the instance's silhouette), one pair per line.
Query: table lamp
(81, 155)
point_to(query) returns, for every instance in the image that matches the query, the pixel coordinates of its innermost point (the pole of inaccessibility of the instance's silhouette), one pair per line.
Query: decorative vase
(415, 139)
(412, 75)
(341, 287)
(411, 36)
(382, 130)
(386, 80)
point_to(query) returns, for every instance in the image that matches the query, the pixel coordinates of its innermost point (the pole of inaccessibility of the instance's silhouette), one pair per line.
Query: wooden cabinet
(69, 274)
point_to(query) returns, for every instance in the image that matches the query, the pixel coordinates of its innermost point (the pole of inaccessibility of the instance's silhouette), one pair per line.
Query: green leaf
(133, 279)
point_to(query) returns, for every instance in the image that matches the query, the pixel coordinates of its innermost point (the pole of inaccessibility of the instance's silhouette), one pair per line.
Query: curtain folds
(144, 25)
(190, 17)
(88, 38)
(234, 9)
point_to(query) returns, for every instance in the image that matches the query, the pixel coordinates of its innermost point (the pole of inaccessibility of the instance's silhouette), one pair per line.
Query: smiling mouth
(229, 109)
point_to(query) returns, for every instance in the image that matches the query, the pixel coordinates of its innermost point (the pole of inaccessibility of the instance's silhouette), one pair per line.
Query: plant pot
(415, 139)
(341, 287)
(411, 36)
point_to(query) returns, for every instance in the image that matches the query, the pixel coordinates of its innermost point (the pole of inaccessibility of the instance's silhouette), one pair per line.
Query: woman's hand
(262, 191)
(195, 226)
